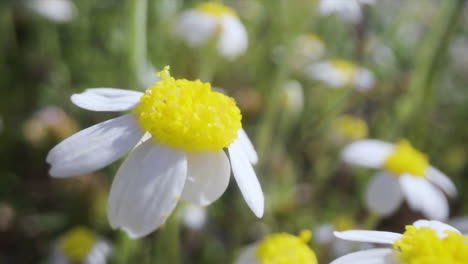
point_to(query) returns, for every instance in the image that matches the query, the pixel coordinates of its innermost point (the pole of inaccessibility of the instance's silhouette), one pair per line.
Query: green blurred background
(416, 50)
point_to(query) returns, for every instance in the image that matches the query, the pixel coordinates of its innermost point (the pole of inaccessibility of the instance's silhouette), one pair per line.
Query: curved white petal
(55, 10)
(207, 177)
(368, 153)
(107, 99)
(195, 27)
(423, 196)
(439, 227)
(368, 236)
(233, 39)
(146, 188)
(247, 146)
(248, 255)
(94, 147)
(246, 178)
(384, 194)
(371, 256)
(441, 180)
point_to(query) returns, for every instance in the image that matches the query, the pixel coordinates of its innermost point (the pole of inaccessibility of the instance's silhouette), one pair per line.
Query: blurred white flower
(213, 20)
(56, 10)
(193, 216)
(348, 10)
(423, 242)
(279, 248)
(307, 49)
(340, 74)
(81, 245)
(350, 127)
(407, 174)
(293, 96)
(176, 133)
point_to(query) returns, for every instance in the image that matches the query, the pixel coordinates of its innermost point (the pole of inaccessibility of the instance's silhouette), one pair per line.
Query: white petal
(441, 180)
(371, 256)
(94, 147)
(247, 146)
(233, 39)
(423, 196)
(248, 255)
(246, 178)
(207, 177)
(437, 226)
(195, 27)
(384, 194)
(369, 236)
(323, 234)
(364, 79)
(146, 188)
(368, 153)
(107, 99)
(55, 10)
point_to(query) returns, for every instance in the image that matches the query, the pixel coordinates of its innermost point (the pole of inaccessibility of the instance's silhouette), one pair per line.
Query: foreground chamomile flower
(81, 245)
(424, 242)
(211, 20)
(280, 248)
(407, 174)
(341, 74)
(348, 10)
(177, 130)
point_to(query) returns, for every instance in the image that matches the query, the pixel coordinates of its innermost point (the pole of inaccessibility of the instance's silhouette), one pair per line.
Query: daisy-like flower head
(81, 245)
(280, 248)
(213, 20)
(407, 174)
(351, 127)
(178, 130)
(424, 242)
(348, 10)
(340, 74)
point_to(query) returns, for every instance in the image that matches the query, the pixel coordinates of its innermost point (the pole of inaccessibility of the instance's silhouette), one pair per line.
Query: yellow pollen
(77, 243)
(216, 9)
(283, 248)
(352, 127)
(423, 246)
(188, 115)
(406, 159)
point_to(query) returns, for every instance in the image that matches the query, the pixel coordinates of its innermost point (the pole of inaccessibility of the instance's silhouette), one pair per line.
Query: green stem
(137, 37)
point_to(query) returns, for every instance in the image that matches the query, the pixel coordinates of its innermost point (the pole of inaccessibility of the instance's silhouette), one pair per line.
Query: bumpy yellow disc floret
(283, 248)
(77, 244)
(423, 246)
(188, 115)
(406, 159)
(216, 9)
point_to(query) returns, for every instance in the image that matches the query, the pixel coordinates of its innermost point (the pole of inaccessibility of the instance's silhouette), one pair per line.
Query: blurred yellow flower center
(346, 68)
(423, 246)
(283, 248)
(188, 115)
(77, 243)
(216, 9)
(406, 159)
(351, 127)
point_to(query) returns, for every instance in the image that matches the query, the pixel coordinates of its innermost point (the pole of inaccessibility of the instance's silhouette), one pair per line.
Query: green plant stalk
(420, 98)
(137, 38)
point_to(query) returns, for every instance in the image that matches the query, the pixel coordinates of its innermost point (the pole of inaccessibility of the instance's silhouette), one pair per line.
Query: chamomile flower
(406, 174)
(59, 11)
(211, 20)
(350, 127)
(341, 74)
(81, 245)
(177, 130)
(348, 10)
(424, 242)
(280, 248)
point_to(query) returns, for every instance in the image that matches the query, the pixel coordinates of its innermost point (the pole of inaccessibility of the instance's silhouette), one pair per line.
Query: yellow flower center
(423, 246)
(352, 127)
(406, 159)
(77, 243)
(283, 248)
(188, 115)
(216, 9)
(346, 68)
